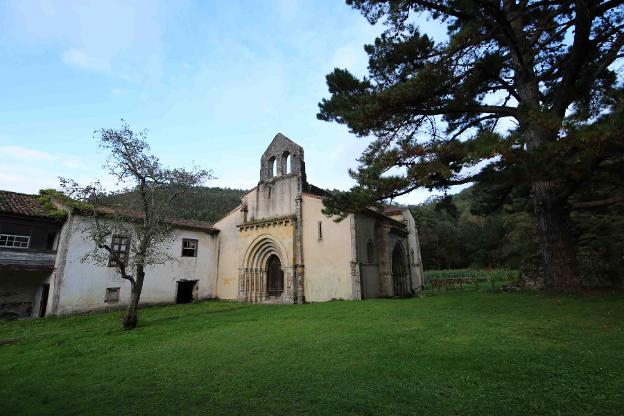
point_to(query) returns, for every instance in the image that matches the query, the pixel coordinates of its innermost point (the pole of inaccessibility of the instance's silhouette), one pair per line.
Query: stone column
(300, 290)
(299, 272)
(254, 289)
(288, 296)
(356, 281)
(263, 285)
(382, 232)
(242, 276)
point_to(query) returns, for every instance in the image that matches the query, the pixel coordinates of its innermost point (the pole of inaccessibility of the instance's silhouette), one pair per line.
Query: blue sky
(213, 82)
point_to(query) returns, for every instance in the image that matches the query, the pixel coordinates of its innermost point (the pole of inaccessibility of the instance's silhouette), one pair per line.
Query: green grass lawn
(460, 353)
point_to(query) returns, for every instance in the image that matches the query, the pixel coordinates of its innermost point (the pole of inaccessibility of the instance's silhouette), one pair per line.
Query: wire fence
(468, 279)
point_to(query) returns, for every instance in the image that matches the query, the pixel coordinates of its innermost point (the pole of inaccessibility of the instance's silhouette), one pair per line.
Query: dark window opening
(187, 291)
(189, 247)
(50, 241)
(272, 168)
(275, 276)
(370, 252)
(120, 247)
(286, 163)
(45, 291)
(112, 295)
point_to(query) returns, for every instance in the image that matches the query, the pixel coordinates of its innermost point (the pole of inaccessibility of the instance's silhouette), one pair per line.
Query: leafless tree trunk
(131, 319)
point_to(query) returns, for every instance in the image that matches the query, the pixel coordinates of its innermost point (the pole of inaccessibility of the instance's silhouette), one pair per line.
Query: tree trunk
(557, 244)
(131, 319)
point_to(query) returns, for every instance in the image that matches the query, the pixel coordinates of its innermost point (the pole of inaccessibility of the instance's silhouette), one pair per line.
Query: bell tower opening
(283, 158)
(272, 171)
(287, 163)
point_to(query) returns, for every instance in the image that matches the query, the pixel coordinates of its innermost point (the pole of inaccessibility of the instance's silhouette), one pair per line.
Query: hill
(200, 203)
(454, 233)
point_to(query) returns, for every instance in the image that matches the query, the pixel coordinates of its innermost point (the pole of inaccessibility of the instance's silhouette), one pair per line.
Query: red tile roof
(194, 225)
(24, 204)
(177, 222)
(21, 204)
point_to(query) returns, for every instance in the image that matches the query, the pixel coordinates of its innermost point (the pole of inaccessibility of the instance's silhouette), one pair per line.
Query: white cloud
(25, 180)
(350, 56)
(115, 37)
(27, 170)
(25, 154)
(79, 59)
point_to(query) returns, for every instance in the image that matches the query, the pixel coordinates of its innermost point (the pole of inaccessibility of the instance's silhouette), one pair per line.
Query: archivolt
(261, 249)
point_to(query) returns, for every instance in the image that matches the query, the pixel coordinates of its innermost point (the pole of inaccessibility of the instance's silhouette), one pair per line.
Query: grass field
(452, 354)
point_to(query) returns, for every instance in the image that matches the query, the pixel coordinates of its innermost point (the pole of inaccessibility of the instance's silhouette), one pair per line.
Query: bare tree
(136, 233)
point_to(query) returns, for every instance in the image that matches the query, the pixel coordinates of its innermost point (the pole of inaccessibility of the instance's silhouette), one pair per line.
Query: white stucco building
(275, 247)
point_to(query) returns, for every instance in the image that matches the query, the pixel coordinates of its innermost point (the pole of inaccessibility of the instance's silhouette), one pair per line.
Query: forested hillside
(201, 203)
(208, 204)
(453, 236)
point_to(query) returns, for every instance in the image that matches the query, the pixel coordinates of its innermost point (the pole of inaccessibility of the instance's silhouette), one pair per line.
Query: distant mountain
(208, 204)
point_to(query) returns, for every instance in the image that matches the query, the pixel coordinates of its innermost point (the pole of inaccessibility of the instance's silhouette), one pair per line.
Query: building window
(119, 250)
(14, 241)
(320, 230)
(51, 241)
(189, 247)
(112, 295)
(286, 163)
(370, 252)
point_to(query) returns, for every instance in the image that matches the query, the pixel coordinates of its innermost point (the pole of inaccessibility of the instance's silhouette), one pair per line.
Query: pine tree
(521, 94)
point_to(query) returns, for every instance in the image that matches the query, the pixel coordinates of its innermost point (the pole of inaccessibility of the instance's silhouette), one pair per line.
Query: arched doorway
(275, 276)
(400, 275)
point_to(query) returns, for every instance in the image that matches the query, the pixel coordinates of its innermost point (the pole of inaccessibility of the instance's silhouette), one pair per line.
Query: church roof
(176, 222)
(315, 190)
(394, 209)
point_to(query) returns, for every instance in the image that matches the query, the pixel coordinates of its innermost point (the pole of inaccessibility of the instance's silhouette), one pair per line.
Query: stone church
(275, 247)
(278, 246)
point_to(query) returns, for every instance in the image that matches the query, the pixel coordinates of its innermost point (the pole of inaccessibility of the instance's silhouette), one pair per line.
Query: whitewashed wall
(228, 247)
(80, 286)
(327, 261)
